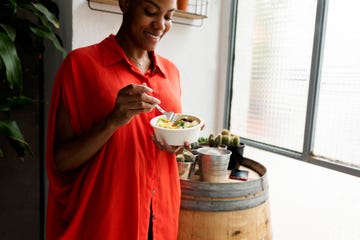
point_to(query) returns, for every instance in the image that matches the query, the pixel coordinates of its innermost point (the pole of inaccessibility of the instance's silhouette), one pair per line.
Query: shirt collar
(112, 53)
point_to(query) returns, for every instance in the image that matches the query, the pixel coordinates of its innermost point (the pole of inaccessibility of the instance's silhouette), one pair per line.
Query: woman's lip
(153, 36)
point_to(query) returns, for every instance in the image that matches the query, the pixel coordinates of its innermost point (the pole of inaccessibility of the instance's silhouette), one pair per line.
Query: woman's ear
(124, 5)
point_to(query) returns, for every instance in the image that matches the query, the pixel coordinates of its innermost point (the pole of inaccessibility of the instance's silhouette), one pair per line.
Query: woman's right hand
(132, 100)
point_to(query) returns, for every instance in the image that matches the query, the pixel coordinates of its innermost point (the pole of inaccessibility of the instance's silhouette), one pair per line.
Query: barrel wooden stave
(249, 224)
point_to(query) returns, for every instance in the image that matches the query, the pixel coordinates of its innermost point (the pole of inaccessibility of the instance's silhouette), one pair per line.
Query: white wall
(193, 49)
(307, 201)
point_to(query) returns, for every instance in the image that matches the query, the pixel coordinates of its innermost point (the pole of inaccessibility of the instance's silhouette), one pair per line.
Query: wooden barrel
(228, 210)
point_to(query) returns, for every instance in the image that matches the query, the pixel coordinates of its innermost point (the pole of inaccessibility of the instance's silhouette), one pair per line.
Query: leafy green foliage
(11, 61)
(12, 131)
(35, 19)
(16, 102)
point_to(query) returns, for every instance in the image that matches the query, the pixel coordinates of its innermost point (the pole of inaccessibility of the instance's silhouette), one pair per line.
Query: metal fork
(169, 115)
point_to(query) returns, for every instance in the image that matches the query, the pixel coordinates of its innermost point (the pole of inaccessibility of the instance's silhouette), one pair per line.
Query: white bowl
(177, 137)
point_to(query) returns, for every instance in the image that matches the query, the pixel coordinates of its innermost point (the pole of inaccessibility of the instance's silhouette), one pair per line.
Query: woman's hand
(161, 144)
(132, 100)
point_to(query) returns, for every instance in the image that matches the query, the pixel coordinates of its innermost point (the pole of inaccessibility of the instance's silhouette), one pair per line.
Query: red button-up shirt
(109, 197)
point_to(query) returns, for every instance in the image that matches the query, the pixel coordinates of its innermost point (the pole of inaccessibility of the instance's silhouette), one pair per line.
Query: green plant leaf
(10, 31)
(12, 63)
(49, 16)
(44, 24)
(13, 3)
(11, 130)
(49, 35)
(14, 103)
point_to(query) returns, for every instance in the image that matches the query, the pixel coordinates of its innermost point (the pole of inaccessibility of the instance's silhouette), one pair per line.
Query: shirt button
(153, 191)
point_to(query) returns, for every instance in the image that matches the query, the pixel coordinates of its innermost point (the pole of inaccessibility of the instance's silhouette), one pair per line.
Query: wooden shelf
(178, 13)
(188, 15)
(197, 11)
(111, 2)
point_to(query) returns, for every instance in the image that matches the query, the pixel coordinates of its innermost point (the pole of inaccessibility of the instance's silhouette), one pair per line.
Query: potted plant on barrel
(226, 140)
(185, 161)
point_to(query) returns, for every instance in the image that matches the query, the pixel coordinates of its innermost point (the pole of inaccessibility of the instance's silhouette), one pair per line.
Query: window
(295, 82)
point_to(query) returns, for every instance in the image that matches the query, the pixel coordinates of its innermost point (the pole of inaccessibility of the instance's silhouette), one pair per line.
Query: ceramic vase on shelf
(182, 5)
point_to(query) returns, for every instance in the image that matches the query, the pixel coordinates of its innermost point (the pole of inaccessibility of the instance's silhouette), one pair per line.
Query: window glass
(337, 134)
(273, 51)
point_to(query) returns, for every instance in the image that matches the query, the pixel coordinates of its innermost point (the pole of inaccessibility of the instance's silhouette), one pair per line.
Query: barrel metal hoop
(216, 190)
(220, 206)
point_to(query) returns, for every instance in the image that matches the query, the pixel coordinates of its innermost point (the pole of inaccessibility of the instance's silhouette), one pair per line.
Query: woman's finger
(132, 89)
(134, 97)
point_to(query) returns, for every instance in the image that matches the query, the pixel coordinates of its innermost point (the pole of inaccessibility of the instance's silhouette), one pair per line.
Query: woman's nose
(159, 23)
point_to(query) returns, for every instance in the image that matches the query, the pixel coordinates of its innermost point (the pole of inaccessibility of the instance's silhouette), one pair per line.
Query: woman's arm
(71, 151)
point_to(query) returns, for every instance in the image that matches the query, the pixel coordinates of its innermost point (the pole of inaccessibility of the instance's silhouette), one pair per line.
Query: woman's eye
(150, 13)
(169, 18)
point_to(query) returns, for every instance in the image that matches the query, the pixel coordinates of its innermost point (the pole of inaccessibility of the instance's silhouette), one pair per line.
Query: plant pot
(182, 5)
(236, 155)
(213, 164)
(184, 169)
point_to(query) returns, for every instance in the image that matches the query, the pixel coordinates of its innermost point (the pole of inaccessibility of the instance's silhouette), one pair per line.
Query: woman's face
(147, 21)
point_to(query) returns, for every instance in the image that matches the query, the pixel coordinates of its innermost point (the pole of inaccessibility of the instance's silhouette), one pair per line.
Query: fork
(169, 115)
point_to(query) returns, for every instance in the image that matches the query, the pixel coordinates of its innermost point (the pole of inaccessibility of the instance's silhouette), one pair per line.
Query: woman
(109, 177)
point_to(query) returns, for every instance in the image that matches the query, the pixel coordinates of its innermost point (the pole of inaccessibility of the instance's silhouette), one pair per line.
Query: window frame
(312, 101)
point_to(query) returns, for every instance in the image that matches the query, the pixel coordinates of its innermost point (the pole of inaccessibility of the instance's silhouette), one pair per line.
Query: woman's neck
(139, 57)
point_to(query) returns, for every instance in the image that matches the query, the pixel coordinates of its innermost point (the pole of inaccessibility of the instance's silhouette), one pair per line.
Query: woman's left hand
(161, 144)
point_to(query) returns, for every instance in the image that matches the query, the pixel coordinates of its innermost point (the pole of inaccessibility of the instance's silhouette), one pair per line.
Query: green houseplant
(20, 21)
